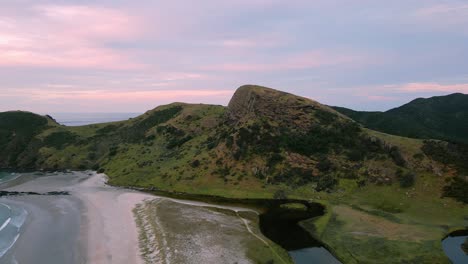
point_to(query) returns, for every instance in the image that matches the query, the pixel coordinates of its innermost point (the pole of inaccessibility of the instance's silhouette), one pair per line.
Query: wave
(5, 223)
(4, 177)
(11, 228)
(5, 250)
(6, 213)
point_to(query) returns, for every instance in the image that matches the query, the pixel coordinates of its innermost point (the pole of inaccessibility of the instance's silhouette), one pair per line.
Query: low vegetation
(389, 199)
(439, 117)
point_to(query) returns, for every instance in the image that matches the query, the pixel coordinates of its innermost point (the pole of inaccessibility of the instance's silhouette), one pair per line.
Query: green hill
(389, 199)
(439, 117)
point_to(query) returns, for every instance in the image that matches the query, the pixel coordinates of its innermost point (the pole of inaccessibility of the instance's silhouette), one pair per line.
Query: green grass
(388, 224)
(368, 216)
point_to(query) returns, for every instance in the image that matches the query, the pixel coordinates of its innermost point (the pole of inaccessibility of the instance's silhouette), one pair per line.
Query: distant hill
(439, 117)
(17, 137)
(378, 188)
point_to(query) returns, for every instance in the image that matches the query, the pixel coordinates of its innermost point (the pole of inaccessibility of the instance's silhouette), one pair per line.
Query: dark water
(452, 247)
(281, 225)
(81, 119)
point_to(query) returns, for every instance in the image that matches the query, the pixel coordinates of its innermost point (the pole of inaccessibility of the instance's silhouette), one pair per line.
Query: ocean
(12, 218)
(81, 119)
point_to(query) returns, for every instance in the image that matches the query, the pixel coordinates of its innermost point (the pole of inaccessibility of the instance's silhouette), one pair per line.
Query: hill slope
(440, 117)
(378, 189)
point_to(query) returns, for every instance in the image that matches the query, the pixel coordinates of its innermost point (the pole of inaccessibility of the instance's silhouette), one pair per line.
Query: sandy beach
(76, 218)
(110, 231)
(93, 224)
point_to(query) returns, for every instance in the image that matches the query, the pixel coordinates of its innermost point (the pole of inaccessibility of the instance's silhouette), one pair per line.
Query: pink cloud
(70, 92)
(380, 98)
(442, 9)
(69, 100)
(68, 36)
(449, 17)
(306, 60)
(433, 87)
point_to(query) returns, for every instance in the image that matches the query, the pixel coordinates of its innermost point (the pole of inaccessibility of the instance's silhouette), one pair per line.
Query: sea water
(81, 119)
(12, 219)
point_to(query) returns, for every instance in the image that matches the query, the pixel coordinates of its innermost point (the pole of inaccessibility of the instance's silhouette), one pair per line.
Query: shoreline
(110, 232)
(93, 224)
(108, 213)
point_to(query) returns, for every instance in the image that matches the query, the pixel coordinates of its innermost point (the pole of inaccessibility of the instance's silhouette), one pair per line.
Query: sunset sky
(130, 56)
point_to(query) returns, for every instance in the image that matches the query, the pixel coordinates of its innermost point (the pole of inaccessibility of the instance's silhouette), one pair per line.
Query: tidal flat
(173, 231)
(75, 217)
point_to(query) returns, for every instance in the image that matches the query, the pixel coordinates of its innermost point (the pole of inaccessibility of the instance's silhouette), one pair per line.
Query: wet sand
(110, 231)
(94, 224)
(100, 224)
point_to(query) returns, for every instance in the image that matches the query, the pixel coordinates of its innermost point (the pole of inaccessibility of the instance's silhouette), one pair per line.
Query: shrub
(229, 141)
(395, 154)
(418, 156)
(92, 155)
(448, 153)
(457, 189)
(113, 151)
(274, 159)
(324, 164)
(407, 179)
(326, 183)
(136, 132)
(177, 142)
(280, 195)
(195, 163)
(59, 139)
(356, 154)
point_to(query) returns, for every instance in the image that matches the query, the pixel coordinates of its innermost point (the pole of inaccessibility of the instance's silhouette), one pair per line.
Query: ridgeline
(389, 199)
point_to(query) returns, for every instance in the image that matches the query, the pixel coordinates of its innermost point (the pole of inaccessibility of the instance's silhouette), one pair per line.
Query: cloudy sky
(130, 56)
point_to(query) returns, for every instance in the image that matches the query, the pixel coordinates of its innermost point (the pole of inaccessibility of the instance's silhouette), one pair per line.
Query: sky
(131, 56)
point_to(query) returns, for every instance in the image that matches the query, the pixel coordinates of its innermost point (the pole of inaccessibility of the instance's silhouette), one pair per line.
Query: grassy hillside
(389, 199)
(439, 117)
(18, 142)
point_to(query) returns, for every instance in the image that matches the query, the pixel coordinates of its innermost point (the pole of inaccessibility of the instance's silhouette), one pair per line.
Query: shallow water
(12, 218)
(300, 245)
(313, 255)
(452, 248)
(282, 226)
(7, 176)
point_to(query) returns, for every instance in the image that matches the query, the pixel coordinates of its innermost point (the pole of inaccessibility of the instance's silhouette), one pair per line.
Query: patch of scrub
(172, 232)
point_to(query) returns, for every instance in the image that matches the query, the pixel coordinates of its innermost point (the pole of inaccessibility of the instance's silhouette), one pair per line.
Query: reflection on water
(313, 255)
(452, 248)
(281, 225)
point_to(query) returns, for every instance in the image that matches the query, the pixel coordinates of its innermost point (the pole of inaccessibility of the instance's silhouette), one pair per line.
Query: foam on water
(10, 229)
(4, 215)
(7, 176)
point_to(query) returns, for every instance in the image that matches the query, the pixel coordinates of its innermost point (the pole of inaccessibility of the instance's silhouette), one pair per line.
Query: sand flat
(100, 224)
(93, 224)
(110, 231)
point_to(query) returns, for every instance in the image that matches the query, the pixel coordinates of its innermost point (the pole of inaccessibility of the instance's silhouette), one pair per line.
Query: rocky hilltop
(251, 102)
